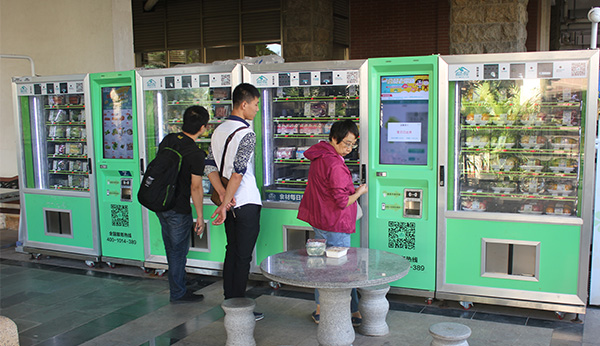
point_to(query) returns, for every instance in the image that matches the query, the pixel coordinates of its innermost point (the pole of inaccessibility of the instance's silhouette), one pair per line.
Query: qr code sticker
(578, 69)
(119, 215)
(401, 235)
(79, 87)
(352, 77)
(225, 79)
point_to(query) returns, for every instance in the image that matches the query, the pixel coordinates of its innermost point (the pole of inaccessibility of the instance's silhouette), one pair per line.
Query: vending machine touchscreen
(404, 120)
(402, 165)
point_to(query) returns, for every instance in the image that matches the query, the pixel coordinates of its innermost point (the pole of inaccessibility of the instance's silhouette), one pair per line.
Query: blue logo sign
(262, 81)
(462, 73)
(151, 83)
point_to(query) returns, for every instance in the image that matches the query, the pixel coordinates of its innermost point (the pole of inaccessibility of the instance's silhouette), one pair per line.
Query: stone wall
(307, 30)
(488, 26)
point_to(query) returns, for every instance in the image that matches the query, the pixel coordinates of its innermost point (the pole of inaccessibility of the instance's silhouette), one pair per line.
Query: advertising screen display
(117, 122)
(404, 119)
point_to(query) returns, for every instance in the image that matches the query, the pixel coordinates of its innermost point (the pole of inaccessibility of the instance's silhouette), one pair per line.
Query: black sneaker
(258, 316)
(188, 297)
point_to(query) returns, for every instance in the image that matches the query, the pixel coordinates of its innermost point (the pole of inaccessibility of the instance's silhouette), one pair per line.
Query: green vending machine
(56, 167)
(299, 103)
(164, 95)
(115, 125)
(403, 170)
(516, 200)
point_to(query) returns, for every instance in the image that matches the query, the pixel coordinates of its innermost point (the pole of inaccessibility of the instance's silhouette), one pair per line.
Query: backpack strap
(226, 145)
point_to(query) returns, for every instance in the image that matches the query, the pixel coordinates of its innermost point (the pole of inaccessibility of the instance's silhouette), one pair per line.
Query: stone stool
(449, 334)
(374, 307)
(239, 321)
(9, 334)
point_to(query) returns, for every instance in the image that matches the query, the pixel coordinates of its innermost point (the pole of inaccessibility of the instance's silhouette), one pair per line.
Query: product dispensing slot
(295, 237)
(413, 203)
(126, 194)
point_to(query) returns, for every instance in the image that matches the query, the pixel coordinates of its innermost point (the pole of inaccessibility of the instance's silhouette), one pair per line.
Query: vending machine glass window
(59, 137)
(404, 120)
(519, 146)
(297, 118)
(165, 105)
(117, 123)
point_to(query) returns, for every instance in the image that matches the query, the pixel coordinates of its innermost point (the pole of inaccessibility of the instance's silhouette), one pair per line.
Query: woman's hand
(362, 189)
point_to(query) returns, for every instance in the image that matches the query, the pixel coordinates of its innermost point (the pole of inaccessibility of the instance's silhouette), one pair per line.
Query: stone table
(335, 277)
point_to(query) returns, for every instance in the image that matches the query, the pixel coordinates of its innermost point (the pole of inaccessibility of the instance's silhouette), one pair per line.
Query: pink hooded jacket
(324, 202)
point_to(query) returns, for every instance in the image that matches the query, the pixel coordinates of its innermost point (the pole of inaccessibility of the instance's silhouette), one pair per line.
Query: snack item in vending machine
(473, 205)
(533, 118)
(287, 128)
(559, 208)
(59, 149)
(503, 140)
(531, 207)
(562, 165)
(284, 152)
(74, 148)
(300, 153)
(563, 142)
(220, 93)
(505, 119)
(532, 165)
(315, 109)
(74, 132)
(57, 115)
(532, 141)
(61, 165)
(532, 185)
(76, 115)
(74, 99)
(565, 118)
(55, 100)
(561, 188)
(504, 163)
(221, 111)
(504, 187)
(327, 128)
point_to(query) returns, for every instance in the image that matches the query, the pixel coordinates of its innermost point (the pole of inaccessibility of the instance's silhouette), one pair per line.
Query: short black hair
(244, 92)
(194, 118)
(339, 130)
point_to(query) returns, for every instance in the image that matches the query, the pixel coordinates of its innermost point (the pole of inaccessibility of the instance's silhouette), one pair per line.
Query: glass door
(164, 110)
(519, 146)
(297, 118)
(58, 138)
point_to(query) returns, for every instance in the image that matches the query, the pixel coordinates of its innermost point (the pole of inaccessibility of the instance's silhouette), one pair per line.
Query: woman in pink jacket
(329, 202)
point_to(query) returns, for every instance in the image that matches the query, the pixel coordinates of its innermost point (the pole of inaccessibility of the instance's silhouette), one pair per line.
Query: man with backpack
(177, 222)
(231, 156)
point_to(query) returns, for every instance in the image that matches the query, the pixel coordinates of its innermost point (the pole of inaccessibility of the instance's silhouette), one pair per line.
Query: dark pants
(176, 230)
(242, 232)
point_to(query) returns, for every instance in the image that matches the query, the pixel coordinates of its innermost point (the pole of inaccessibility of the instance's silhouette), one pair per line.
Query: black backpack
(157, 191)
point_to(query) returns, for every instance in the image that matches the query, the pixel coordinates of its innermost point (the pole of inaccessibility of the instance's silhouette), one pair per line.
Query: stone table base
(335, 325)
(373, 307)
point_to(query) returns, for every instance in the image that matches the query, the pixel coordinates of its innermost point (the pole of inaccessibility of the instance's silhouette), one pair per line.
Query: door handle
(363, 174)
(442, 176)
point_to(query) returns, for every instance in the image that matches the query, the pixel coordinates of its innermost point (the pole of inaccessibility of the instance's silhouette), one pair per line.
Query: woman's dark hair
(194, 118)
(340, 130)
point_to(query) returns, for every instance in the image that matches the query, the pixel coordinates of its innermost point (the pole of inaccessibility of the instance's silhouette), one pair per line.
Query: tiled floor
(58, 301)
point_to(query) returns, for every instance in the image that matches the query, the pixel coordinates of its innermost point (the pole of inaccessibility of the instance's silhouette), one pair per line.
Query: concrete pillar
(307, 30)
(480, 26)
